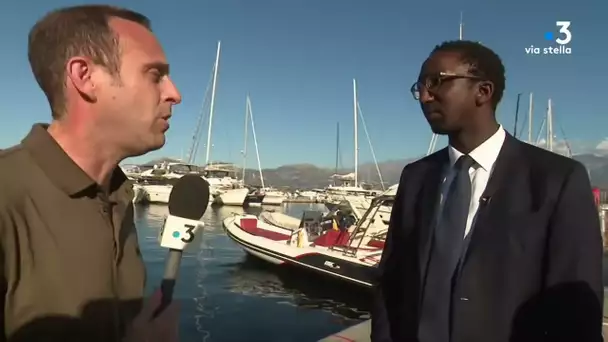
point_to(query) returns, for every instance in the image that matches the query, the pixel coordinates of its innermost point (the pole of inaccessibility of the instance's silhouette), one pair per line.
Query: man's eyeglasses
(433, 82)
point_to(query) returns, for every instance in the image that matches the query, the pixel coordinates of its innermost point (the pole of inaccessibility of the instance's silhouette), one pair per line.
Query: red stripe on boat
(376, 244)
(332, 238)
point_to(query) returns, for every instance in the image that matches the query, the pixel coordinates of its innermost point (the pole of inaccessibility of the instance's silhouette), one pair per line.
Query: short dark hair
(74, 31)
(483, 62)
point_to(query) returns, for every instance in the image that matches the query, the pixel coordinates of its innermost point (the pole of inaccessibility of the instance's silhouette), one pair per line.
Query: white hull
(263, 256)
(157, 193)
(139, 194)
(273, 199)
(232, 197)
(280, 246)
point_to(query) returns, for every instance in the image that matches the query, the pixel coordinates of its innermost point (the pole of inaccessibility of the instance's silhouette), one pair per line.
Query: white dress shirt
(485, 156)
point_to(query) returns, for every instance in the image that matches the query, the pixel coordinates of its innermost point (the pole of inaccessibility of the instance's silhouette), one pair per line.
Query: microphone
(485, 200)
(188, 201)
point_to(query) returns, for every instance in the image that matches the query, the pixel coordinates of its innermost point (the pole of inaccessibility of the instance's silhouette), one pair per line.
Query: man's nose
(171, 93)
(425, 95)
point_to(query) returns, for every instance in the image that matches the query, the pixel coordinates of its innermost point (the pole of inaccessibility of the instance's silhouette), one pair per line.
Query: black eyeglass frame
(440, 79)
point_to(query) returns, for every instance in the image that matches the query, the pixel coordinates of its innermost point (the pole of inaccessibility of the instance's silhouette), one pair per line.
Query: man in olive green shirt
(71, 265)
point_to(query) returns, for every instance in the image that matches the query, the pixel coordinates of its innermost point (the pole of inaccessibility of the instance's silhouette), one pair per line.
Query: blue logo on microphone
(176, 234)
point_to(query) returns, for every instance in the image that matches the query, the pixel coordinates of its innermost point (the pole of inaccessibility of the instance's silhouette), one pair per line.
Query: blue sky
(297, 59)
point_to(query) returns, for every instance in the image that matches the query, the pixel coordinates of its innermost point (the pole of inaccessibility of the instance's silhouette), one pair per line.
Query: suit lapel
(505, 166)
(428, 203)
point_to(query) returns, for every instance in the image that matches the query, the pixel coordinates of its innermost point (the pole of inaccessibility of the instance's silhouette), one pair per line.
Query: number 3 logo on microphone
(189, 234)
(179, 232)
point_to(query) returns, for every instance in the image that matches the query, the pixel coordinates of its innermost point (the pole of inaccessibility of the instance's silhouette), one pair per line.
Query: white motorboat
(232, 197)
(157, 193)
(350, 255)
(273, 197)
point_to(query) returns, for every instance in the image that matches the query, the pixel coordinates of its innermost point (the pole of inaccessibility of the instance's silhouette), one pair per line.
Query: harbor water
(226, 296)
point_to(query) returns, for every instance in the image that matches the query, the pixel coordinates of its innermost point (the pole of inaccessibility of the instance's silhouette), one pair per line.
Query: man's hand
(165, 327)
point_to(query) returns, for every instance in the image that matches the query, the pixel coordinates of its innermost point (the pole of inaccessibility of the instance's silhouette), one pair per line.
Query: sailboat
(270, 196)
(219, 175)
(237, 196)
(350, 186)
(217, 178)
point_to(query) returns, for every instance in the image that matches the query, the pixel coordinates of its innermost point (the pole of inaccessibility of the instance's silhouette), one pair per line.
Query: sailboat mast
(356, 131)
(245, 137)
(215, 69)
(337, 146)
(255, 141)
(549, 126)
(435, 137)
(530, 109)
(460, 27)
(516, 115)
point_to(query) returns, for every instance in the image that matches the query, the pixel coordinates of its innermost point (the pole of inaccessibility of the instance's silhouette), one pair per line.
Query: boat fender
(300, 238)
(303, 238)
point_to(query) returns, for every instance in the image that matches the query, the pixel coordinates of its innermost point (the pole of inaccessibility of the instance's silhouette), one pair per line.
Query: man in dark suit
(490, 239)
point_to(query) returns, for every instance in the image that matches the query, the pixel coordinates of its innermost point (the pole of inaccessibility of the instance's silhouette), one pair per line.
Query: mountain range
(309, 176)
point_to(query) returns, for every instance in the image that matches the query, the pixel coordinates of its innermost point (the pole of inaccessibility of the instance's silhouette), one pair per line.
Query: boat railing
(361, 229)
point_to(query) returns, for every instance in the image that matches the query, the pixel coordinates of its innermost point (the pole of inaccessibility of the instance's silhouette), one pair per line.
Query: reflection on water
(254, 277)
(226, 296)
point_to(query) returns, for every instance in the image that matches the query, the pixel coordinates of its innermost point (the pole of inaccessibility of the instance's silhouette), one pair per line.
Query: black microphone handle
(168, 283)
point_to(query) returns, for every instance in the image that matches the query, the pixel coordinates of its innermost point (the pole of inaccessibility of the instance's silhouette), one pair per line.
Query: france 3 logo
(562, 39)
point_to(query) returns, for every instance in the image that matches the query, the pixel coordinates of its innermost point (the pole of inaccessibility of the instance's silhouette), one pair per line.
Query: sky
(297, 60)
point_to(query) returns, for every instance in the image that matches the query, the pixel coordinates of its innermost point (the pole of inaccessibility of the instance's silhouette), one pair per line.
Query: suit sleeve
(573, 264)
(380, 321)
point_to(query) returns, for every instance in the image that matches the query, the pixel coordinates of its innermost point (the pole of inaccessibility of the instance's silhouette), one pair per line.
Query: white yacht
(273, 196)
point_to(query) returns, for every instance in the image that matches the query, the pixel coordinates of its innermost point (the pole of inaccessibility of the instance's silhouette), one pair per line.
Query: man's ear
(485, 90)
(79, 72)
